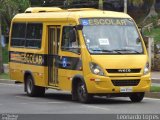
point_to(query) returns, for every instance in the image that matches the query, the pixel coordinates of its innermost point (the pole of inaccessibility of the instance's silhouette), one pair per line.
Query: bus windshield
(111, 36)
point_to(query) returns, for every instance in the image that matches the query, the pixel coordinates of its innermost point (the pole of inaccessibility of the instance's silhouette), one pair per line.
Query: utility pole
(125, 6)
(100, 4)
(150, 43)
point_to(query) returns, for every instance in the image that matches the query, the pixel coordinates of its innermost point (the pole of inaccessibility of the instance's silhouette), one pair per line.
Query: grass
(4, 76)
(155, 89)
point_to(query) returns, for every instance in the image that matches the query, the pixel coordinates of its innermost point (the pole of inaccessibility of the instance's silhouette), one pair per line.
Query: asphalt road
(14, 100)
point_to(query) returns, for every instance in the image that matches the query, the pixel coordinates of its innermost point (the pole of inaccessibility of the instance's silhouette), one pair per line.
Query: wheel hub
(29, 86)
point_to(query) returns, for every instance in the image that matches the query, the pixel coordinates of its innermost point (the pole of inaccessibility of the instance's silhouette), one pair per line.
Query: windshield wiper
(110, 51)
(135, 51)
(125, 50)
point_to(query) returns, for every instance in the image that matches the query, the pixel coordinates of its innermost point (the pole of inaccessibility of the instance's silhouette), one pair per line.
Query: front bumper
(103, 85)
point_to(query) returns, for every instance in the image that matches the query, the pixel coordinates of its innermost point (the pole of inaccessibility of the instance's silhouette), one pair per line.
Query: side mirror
(138, 40)
(79, 27)
(140, 30)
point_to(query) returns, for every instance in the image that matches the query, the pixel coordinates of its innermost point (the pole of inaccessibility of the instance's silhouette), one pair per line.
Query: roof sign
(106, 21)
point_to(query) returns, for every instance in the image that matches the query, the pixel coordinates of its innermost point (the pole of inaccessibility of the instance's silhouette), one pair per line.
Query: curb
(7, 81)
(156, 80)
(152, 95)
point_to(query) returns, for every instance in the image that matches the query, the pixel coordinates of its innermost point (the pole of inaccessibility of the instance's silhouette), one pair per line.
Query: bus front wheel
(33, 90)
(82, 93)
(137, 97)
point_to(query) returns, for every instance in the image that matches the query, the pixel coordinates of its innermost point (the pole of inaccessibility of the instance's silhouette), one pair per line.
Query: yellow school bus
(84, 51)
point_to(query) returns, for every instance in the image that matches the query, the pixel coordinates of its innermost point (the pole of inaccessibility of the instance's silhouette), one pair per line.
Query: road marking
(43, 103)
(49, 102)
(95, 107)
(23, 97)
(152, 99)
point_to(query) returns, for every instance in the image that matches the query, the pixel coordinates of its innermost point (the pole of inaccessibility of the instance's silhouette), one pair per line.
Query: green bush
(5, 54)
(155, 33)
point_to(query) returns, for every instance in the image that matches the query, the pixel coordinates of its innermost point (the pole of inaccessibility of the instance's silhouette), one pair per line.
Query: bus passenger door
(53, 46)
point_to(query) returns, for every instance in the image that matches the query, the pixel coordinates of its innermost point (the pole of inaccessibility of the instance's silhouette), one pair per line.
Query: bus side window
(34, 35)
(18, 34)
(70, 40)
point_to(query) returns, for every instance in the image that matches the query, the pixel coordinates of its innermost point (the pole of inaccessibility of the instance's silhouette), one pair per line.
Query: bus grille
(125, 82)
(123, 70)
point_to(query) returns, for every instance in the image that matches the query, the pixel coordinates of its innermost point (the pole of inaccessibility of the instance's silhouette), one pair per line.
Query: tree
(133, 2)
(8, 8)
(136, 2)
(1, 65)
(152, 11)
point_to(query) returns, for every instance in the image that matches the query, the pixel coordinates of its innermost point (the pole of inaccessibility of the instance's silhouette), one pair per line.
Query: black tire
(82, 93)
(33, 90)
(137, 97)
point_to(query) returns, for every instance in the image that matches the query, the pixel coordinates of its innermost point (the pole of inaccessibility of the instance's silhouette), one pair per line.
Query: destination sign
(106, 21)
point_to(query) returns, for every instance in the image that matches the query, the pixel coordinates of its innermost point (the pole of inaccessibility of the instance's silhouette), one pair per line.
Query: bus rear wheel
(137, 97)
(33, 90)
(82, 93)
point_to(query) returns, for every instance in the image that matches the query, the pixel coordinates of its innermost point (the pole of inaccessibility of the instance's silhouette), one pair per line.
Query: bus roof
(58, 14)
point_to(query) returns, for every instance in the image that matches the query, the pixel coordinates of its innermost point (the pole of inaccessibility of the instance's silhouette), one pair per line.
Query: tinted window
(34, 35)
(28, 35)
(18, 34)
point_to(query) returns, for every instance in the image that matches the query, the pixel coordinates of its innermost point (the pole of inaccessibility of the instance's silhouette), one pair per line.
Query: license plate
(125, 89)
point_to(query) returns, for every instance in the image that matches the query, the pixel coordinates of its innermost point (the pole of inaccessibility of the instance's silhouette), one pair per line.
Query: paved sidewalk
(7, 81)
(155, 76)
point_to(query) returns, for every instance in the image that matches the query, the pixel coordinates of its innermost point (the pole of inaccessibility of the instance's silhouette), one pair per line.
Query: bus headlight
(96, 69)
(146, 69)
